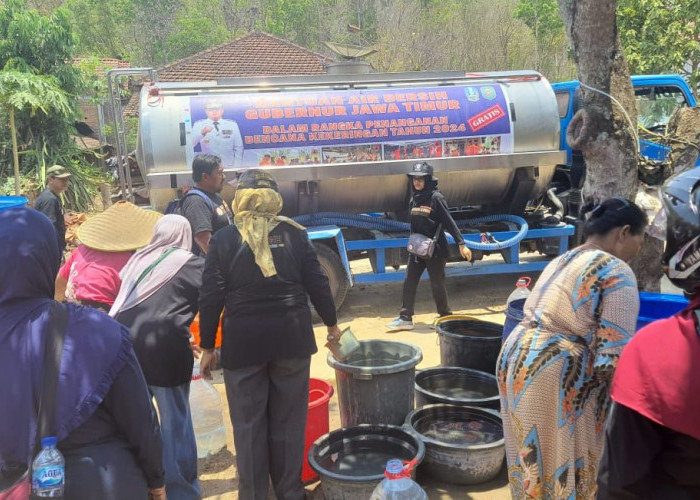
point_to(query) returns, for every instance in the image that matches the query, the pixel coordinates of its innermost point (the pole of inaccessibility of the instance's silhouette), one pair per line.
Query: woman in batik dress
(555, 369)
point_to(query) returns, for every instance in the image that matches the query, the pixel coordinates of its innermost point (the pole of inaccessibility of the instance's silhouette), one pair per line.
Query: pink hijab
(172, 234)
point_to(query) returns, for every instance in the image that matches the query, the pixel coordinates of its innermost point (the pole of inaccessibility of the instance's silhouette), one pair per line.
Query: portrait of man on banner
(217, 135)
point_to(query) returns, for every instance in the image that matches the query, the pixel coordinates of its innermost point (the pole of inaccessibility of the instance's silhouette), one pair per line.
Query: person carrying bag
(21, 488)
(429, 214)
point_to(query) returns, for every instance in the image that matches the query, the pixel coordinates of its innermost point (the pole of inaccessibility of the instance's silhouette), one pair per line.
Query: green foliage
(40, 83)
(661, 36)
(33, 92)
(102, 26)
(194, 31)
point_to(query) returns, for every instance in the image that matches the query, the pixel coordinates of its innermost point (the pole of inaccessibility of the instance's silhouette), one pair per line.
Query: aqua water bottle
(48, 470)
(397, 484)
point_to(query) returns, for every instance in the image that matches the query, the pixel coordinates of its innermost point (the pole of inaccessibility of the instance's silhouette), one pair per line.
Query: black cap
(421, 169)
(256, 179)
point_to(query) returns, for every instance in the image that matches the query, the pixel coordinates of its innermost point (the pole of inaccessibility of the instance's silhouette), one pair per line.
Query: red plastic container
(320, 393)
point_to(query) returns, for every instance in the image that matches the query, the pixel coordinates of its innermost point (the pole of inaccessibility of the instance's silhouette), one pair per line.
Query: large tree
(41, 90)
(20, 91)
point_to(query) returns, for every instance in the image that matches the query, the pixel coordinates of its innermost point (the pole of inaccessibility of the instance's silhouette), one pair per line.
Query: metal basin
(457, 386)
(463, 445)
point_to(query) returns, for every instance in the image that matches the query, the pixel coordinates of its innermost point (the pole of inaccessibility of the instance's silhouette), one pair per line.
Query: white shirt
(223, 140)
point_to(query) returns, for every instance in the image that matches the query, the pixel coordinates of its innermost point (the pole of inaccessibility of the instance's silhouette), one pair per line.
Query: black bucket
(470, 343)
(375, 383)
(463, 445)
(456, 386)
(351, 461)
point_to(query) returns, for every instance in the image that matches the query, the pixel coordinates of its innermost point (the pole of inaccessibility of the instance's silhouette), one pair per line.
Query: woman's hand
(465, 252)
(157, 494)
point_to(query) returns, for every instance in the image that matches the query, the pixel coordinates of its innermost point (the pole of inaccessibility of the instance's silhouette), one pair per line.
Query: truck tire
(337, 279)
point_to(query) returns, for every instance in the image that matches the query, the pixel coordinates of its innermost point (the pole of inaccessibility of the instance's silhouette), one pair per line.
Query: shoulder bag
(423, 246)
(21, 488)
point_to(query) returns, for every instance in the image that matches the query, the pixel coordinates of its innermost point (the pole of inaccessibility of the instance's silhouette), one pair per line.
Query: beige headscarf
(255, 215)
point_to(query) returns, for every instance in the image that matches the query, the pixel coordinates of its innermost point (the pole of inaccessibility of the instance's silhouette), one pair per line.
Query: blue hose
(394, 226)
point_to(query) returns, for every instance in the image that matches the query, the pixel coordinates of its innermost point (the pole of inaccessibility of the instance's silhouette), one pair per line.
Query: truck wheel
(337, 279)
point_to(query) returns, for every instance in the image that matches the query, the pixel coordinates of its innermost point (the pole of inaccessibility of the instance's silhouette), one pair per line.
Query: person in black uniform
(652, 440)
(264, 270)
(429, 213)
(206, 216)
(49, 201)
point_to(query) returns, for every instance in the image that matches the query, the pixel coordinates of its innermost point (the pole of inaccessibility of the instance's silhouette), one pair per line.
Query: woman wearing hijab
(104, 420)
(429, 216)
(157, 301)
(265, 270)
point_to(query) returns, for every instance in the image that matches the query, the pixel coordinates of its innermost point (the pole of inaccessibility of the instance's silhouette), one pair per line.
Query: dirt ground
(367, 309)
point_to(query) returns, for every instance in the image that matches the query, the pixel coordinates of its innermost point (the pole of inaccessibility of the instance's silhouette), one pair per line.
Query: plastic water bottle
(521, 290)
(207, 419)
(398, 485)
(48, 470)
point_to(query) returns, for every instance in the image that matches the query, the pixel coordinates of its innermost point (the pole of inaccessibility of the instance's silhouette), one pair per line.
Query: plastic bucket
(12, 202)
(351, 461)
(514, 315)
(320, 393)
(375, 383)
(653, 306)
(470, 343)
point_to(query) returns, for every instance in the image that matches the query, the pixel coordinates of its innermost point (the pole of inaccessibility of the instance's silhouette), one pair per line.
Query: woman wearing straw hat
(90, 276)
(265, 270)
(157, 302)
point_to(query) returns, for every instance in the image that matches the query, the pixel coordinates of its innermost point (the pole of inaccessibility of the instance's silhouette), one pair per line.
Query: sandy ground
(367, 309)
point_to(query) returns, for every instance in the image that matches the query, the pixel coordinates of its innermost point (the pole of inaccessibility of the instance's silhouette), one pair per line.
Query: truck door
(655, 105)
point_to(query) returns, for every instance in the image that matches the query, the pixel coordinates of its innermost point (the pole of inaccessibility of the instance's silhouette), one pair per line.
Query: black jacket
(645, 460)
(265, 318)
(428, 210)
(160, 327)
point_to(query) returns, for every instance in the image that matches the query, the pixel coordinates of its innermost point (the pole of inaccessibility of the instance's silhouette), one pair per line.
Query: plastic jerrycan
(207, 418)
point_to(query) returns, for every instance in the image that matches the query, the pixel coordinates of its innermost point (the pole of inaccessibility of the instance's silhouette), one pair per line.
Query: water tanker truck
(340, 147)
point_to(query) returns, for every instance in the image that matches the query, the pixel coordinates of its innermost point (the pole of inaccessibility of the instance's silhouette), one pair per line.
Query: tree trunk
(15, 154)
(600, 129)
(603, 130)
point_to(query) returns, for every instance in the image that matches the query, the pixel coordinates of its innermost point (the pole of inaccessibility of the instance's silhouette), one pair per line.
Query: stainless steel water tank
(493, 138)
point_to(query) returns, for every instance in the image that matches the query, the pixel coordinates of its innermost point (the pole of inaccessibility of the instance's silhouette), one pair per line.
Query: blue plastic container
(653, 306)
(12, 202)
(514, 315)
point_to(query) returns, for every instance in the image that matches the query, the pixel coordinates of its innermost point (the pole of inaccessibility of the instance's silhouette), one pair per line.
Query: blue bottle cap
(48, 441)
(394, 466)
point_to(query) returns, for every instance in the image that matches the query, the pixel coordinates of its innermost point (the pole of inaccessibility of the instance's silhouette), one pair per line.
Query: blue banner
(350, 125)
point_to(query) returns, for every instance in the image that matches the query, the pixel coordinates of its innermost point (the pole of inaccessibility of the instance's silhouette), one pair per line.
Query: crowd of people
(132, 289)
(590, 408)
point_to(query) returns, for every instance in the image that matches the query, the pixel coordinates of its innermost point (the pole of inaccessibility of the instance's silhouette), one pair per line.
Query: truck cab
(657, 97)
